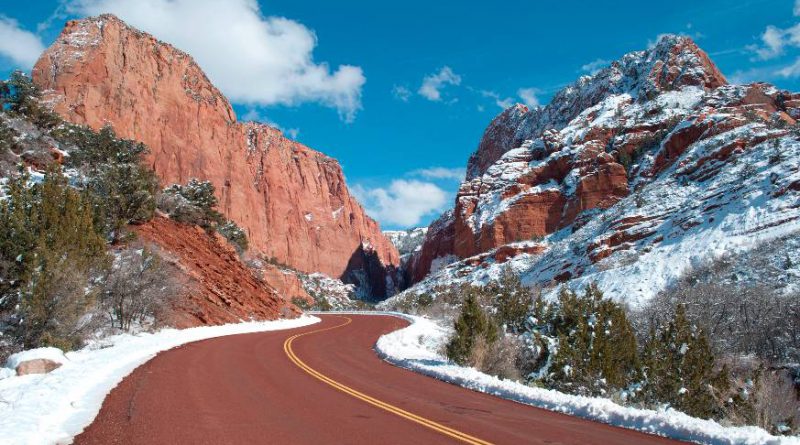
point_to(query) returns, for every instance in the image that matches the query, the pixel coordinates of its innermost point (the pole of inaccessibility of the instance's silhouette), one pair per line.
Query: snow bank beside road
(53, 408)
(415, 348)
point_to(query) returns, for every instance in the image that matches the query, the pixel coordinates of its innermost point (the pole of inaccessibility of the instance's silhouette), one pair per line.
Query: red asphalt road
(244, 389)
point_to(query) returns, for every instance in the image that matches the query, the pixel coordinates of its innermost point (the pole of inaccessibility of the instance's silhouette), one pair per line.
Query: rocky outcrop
(292, 201)
(218, 287)
(628, 179)
(537, 171)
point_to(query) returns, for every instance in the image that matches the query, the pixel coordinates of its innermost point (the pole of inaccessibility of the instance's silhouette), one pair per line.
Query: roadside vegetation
(70, 267)
(721, 352)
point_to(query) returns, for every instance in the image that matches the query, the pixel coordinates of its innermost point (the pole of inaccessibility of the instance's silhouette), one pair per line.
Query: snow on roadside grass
(52, 408)
(415, 348)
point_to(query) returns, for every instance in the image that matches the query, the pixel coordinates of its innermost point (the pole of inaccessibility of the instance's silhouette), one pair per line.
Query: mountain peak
(673, 63)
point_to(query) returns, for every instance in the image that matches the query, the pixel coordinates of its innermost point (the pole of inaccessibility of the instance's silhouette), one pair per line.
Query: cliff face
(292, 201)
(655, 116)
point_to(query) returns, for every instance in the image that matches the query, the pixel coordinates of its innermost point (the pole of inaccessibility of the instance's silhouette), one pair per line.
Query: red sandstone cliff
(539, 170)
(292, 201)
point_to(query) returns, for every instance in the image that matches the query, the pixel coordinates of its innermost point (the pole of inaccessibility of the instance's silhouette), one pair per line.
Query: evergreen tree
(20, 95)
(511, 301)
(596, 345)
(114, 174)
(472, 324)
(679, 368)
(48, 230)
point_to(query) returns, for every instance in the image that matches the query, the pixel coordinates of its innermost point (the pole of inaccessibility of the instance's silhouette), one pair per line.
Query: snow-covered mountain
(407, 241)
(630, 178)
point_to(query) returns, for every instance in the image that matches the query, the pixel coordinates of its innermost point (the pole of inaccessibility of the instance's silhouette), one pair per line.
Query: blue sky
(400, 92)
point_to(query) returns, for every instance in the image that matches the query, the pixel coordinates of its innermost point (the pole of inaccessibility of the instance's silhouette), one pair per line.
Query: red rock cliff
(292, 201)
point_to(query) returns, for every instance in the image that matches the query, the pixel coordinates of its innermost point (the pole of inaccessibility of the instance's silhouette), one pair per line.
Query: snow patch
(54, 407)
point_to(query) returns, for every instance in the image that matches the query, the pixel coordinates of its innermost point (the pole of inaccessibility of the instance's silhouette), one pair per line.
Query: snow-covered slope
(629, 177)
(407, 241)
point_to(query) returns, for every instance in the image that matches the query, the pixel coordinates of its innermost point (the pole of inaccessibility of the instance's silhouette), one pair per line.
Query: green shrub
(511, 301)
(472, 325)
(596, 346)
(679, 369)
(51, 250)
(112, 170)
(301, 303)
(20, 96)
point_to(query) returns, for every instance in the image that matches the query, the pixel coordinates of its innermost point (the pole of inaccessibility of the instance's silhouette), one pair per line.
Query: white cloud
(499, 101)
(18, 45)
(528, 96)
(441, 173)
(796, 9)
(594, 66)
(401, 92)
(253, 58)
(774, 41)
(792, 70)
(404, 203)
(432, 84)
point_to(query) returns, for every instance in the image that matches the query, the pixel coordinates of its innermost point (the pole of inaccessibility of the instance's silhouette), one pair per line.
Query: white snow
(53, 408)
(53, 354)
(415, 347)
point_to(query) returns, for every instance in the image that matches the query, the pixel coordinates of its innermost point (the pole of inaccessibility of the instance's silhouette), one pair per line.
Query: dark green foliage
(123, 187)
(679, 368)
(472, 325)
(20, 96)
(511, 301)
(301, 303)
(424, 300)
(596, 345)
(195, 203)
(50, 250)
(234, 234)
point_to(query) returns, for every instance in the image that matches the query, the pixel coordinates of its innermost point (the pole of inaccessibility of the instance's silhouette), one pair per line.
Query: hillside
(628, 178)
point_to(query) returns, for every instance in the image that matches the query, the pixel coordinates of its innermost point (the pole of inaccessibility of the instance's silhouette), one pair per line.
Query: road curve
(319, 384)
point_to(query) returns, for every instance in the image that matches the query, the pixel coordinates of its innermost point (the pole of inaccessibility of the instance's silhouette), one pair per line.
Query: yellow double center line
(287, 347)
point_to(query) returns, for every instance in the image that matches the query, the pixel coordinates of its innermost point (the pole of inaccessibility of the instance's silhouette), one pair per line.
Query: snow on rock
(415, 347)
(54, 407)
(52, 354)
(628, 178)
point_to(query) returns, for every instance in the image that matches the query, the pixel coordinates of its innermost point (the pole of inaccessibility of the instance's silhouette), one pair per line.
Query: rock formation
(661, 116)
(292, 201)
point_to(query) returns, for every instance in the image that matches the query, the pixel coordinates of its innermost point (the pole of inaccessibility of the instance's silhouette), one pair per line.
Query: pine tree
(20, 95)
(472, 324)
(122, 187)
(512, 301)
(596, 346)
(48, 233)
(679, 368)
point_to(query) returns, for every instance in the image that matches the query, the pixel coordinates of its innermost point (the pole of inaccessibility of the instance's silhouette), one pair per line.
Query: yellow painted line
(287, 347)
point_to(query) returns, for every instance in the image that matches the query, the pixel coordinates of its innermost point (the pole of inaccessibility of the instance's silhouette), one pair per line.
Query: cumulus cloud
(433, 84)
(401, 92)
(594, 66)
(456, 174)
(21, 47)
(403, 203)
(253, 58)
(528, 96)
(774, 40)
